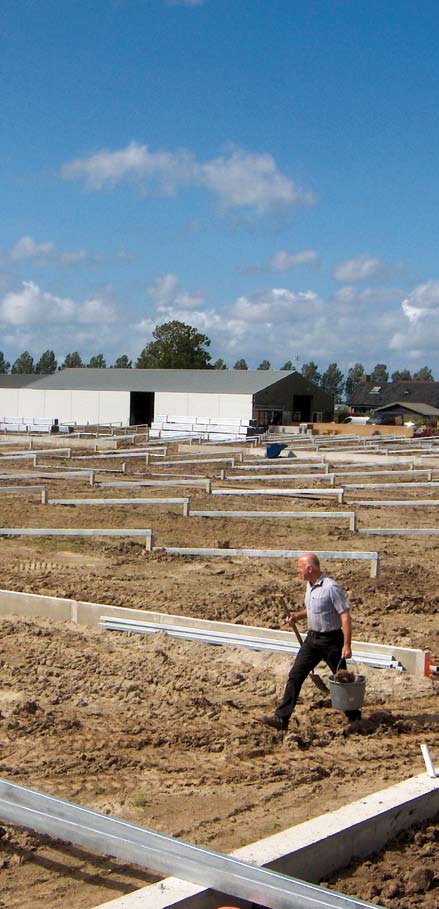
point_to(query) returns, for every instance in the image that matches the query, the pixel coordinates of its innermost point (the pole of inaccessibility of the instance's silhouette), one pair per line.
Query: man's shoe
(274, 722)
(353, 715)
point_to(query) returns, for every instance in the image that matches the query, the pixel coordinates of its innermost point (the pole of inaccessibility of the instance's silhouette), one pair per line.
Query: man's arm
(346, 624)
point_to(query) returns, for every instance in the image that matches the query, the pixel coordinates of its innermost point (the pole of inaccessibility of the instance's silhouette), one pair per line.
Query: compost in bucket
(347, 695)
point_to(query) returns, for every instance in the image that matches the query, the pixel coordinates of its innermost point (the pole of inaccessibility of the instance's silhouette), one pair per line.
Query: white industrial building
(142, 396)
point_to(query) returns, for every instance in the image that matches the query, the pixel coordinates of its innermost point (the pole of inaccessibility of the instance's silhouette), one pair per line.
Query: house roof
(425, 410)
(225, 381)
(370, 395)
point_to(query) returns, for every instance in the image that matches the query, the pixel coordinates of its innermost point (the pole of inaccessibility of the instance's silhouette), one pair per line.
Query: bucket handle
(351, 660)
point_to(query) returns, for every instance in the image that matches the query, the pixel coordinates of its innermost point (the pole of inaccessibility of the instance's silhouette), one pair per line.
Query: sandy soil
(165, 733)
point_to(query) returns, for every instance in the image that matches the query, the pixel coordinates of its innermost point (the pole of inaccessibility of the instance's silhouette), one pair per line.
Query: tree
(4, 365)
(47, 363)
(353, 379)
(24, 363)
(72, 361)
(175, 346)
(332, 381)
(219, 364)
(379, 374)
(240, 364)
(287, 365)
(311, 372)
(424, 374)
(97, 362)
(265, 364)
(123, 362)
(403, 375)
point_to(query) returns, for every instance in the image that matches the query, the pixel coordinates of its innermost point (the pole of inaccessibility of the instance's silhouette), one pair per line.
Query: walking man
(328, 638)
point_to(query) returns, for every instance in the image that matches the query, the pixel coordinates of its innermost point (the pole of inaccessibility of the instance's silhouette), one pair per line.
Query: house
(406, 397)
(140, 396)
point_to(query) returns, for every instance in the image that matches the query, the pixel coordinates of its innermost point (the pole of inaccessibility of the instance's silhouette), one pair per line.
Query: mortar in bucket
(347, 695)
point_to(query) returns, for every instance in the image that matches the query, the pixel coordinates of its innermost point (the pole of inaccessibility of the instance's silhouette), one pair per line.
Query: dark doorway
(302, 405)
(141, 408)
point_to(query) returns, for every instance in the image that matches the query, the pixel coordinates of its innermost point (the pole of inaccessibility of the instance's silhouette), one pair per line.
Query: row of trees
(179, 346)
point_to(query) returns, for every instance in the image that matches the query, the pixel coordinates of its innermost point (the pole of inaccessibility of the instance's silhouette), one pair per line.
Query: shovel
(318, 682)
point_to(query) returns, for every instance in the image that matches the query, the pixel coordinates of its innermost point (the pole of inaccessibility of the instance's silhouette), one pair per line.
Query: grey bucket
(347, 695)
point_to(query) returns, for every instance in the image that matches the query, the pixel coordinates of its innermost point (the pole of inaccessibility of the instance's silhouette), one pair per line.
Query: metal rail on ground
(372, 557)
(183, 500)
(204, 482)
(249, 642)
(77, 532)
(282, 515)
(317, 492)
(164, 854)
(395, 503)
(250, 478)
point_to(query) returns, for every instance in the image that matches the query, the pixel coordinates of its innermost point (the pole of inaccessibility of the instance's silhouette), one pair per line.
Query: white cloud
(27, 249)
(166, 295)
(283, 261)
(372, 295)
(363, 268)
(32, 306)
(239, 179)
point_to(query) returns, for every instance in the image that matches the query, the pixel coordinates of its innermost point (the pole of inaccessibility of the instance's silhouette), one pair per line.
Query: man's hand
(346, 652)
(295, 617)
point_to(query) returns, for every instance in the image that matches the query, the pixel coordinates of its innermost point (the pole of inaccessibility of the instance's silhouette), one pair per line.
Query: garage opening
(302, 406)
(141, 408)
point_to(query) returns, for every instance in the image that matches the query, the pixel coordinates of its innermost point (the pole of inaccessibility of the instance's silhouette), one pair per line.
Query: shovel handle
(297, 632)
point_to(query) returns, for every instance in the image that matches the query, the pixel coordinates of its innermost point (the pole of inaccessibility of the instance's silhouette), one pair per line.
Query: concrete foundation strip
(414, 662)
(372, 557)
(395, 503)
(206, 483)
(14, 489)
(390, 485)
(149, 849)
(279, 515)
(184, 501)
(400, 531)
(317, 493)
(77, 532)
(234, 639)
(284, 476)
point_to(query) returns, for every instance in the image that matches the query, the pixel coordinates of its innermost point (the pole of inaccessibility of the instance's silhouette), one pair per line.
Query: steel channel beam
(389, 485)
(155, 851)
(373, 557)
(122, 485)
(400, 531)
(286, 476)
(395, 503)
(109, 623)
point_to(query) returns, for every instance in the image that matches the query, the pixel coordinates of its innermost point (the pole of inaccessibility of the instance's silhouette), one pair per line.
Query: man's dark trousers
(317, 646)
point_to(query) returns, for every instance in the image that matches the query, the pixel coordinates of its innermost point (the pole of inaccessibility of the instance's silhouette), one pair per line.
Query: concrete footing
(310, 851)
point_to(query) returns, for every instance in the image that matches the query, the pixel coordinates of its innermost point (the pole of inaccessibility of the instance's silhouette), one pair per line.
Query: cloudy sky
(264, 170)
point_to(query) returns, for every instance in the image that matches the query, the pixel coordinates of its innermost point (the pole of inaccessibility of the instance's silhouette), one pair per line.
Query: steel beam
(372, 557)
(164, 854)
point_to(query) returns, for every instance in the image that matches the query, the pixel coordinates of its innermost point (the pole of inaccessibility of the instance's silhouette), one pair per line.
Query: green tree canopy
(287, 365)
(265, 364)
(219, 364)
(353, 379)
(24, 363)
(47, 363)
(379, 374)
(401, 375)
(175, 346)
(4, 365)
(424, 374)
(311, 372)
(72, 361)
(333, 381)
(240, 364)
(123, 362)
(97, 362)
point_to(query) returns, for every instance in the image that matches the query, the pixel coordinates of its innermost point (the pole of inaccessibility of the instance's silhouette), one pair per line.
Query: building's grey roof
(208, 381)
(370, 395)
(424, 410)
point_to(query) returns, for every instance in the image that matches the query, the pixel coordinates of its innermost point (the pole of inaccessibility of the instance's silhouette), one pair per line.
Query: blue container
(274, 450)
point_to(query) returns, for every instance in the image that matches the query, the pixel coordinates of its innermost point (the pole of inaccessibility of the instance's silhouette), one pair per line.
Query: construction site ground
(165, 733)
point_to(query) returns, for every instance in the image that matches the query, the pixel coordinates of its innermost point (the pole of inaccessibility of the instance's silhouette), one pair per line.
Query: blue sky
(265, 170)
